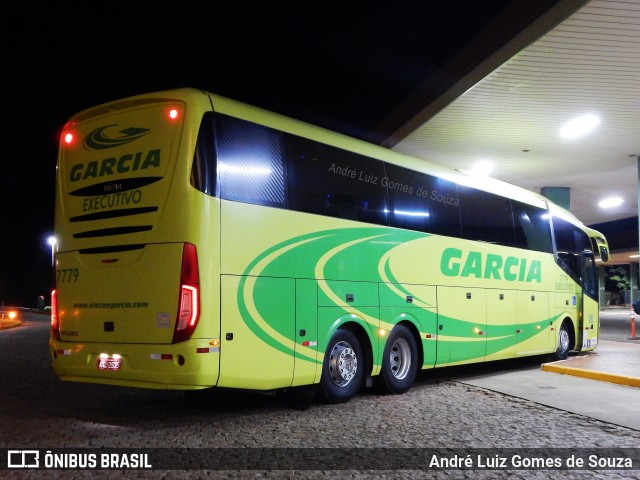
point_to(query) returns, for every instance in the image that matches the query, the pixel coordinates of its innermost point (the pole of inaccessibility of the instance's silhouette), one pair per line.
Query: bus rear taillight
(55, 325)
(189, 307)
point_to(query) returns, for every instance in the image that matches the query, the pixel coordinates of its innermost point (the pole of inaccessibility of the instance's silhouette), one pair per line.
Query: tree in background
(617, 279)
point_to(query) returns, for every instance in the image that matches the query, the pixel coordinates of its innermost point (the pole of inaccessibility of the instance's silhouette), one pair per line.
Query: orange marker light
(173, 113)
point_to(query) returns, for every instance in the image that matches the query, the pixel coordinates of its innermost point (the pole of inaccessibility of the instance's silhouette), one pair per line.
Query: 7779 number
(67, 275)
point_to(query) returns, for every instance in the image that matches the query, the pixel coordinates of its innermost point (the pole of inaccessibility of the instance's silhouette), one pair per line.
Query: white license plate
(109, 363)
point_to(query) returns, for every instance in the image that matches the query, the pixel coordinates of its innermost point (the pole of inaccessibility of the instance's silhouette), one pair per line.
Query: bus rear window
(203, 172)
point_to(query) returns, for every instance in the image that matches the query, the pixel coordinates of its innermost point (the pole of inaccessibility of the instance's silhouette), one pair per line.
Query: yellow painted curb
(580, 372)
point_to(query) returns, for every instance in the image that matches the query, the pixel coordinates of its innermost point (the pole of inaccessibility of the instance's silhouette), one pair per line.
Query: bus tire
(563, 345)
(399, 361)
(343, 367)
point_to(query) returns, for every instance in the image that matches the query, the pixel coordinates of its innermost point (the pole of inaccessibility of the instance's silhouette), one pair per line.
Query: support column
(602, 294)
(561, 195)
(634, 266)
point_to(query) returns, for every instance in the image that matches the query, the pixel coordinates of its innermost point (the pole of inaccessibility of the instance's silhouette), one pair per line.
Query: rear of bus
(128, 303)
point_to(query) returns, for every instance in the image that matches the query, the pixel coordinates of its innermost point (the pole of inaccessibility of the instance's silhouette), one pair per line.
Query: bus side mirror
(604, 253)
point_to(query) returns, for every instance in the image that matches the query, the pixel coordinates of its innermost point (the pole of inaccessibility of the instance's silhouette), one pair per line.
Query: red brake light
(55, 326)
(173, 113)
(189, 306)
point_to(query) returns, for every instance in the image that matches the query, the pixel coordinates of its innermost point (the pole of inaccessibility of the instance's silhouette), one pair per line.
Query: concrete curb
(602, 376)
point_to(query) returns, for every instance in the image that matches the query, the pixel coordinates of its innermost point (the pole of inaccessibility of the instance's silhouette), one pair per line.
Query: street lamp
(52, 241)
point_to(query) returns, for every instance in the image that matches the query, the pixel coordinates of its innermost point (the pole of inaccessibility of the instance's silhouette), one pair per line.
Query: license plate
(109, 363)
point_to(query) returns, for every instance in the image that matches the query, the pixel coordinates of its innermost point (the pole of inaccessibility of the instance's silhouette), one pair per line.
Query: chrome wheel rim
(563, 340)
(343, 364)
(400, 358)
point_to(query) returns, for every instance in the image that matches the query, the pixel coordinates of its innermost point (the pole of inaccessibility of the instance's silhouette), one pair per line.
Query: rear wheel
(564, 342)
(343, 367)
(399, 361)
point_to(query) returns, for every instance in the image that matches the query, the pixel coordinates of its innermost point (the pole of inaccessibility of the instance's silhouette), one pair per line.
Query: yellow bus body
(274, 284)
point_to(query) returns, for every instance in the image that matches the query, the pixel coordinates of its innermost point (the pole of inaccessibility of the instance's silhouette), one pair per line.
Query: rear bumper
(188, 365)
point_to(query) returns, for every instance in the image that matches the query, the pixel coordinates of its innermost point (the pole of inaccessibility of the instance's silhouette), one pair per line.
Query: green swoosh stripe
(298, 257)
(365, 254)
(398, 285)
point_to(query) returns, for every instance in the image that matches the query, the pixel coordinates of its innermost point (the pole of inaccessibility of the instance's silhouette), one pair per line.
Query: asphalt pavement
(513, 405)
(611, 371)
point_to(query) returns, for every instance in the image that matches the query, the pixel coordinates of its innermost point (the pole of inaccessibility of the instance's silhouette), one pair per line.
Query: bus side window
(486, 217)
(532, 227)
(570, 244)
(327, 180)
(250, 162)
(418, 201)
(590, 277)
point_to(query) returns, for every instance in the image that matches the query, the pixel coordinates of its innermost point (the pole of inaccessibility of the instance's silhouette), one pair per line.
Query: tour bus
(203, 242)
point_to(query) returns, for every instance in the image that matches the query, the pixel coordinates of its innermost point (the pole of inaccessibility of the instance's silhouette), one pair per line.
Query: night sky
(340, 67)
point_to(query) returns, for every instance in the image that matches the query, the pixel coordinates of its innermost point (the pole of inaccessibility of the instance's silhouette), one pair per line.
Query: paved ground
(445, 410)
(616, 326)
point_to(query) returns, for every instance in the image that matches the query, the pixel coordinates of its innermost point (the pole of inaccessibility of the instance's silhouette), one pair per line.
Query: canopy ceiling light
(481, 169)
(610, 202)
(579, 126)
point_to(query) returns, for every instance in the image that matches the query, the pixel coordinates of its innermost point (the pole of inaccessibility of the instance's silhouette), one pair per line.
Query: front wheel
(399, 361)
(343, 367)
(563, 346)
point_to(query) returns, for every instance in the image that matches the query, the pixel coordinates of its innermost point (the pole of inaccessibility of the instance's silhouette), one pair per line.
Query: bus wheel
(399, 361)
(562, 348)
(343, 367)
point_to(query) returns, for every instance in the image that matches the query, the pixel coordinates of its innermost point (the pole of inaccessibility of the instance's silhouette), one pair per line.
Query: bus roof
(278, 121)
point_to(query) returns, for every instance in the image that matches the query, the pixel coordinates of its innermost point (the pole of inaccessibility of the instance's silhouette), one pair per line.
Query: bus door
(590, 318)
